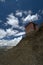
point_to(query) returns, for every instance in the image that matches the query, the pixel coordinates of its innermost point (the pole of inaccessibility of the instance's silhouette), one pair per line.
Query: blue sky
(14, 15)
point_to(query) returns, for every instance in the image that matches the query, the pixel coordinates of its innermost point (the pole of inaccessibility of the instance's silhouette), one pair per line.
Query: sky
(14, 16)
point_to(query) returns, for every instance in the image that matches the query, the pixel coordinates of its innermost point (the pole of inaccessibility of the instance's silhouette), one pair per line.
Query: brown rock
(31, 27)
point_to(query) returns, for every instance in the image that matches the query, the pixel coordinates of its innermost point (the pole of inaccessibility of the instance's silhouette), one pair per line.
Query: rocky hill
(28, 52)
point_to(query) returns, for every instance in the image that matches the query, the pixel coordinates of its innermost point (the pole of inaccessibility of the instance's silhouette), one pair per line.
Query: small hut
(31, 27)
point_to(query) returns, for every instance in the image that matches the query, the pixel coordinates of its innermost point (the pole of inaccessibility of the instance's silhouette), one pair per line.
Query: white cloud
(8, 32)
(16, 33)
(22, 27)
(12, 20)
(10, 43)
(27, 12)
(11, 32)
(2, 33)
(19, 13)
(30, 18)
(20, 34)
(35, 17)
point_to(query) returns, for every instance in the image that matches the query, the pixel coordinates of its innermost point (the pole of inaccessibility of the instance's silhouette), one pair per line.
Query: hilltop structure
(31, 27)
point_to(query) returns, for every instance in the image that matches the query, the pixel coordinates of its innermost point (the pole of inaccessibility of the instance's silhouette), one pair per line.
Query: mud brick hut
(31, 27)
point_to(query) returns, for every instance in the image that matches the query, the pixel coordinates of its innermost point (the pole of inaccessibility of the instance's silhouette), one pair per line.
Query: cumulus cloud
(12, 20)
(20, 34)
(11, 32)
(30, 18)
(27, 12)
(10, 43)
(2, 33)
(8, 32)
(19, 13)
